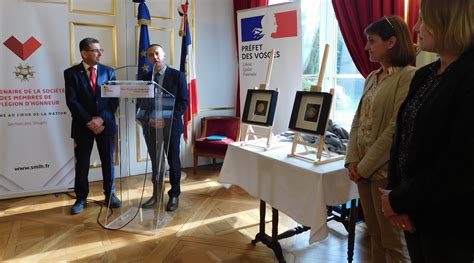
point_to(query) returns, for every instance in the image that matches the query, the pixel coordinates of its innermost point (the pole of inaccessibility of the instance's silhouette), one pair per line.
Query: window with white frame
(319, 27)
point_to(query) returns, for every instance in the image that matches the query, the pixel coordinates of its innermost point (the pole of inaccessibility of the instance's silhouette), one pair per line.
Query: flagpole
(193, 131)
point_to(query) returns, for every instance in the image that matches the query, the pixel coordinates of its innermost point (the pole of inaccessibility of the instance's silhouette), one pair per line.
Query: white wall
(216, 63)
(216, 57)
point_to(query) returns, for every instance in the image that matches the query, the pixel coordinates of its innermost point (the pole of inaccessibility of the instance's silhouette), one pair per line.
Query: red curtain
(239, 5)
(354, 16)
(413, 13)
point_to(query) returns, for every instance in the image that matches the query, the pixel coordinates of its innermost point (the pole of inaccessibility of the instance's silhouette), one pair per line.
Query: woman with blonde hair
(431, 171)
(389, 44)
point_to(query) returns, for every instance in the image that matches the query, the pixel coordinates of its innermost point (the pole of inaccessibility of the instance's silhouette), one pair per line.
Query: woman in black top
(431, 171)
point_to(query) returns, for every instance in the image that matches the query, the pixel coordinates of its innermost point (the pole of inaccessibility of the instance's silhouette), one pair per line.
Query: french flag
(187, 66)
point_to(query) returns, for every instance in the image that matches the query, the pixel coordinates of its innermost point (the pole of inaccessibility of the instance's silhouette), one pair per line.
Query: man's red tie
(93, 79)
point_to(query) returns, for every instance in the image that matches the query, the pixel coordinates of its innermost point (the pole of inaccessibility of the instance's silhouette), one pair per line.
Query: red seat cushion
(203, 146)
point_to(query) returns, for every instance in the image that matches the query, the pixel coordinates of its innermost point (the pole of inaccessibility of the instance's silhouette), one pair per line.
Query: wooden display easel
(316, 152)
(249, 131)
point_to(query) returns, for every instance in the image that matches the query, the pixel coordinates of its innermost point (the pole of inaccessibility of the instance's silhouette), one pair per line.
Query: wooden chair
(228, 126)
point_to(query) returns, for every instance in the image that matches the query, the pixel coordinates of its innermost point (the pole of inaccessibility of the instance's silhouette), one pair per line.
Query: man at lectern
(92, 120)
(171, 127)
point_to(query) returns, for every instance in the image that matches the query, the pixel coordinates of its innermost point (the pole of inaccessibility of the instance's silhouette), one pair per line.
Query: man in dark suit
(164, 129)
(92, 119)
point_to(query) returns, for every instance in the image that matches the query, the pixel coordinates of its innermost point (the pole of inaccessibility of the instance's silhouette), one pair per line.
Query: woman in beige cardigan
(389, 44)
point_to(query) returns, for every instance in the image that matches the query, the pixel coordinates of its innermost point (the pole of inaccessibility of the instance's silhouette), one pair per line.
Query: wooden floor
(212, 224)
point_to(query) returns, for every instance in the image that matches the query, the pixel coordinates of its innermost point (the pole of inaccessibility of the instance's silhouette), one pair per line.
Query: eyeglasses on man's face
(96, 50)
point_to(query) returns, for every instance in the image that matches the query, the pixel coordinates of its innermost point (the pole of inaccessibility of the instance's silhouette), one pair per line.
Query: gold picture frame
(72, 9)
(109, 44)
(169, 51)
(150, 7)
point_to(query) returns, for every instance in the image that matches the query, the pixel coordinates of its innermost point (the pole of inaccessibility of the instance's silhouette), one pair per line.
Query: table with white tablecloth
(298, 188)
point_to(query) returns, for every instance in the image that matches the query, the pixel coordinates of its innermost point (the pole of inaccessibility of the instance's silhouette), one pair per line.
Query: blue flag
(144, 21)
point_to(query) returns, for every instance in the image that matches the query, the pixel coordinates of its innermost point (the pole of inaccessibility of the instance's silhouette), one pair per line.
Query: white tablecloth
(296, 187)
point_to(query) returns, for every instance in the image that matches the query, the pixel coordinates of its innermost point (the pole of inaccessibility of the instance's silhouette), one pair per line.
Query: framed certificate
(310, 112)
(260, 107)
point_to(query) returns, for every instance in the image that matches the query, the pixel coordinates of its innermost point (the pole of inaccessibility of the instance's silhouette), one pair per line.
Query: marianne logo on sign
(278, 25)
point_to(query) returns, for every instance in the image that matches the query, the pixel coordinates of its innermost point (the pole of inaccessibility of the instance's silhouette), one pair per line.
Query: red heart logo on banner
(25, 50)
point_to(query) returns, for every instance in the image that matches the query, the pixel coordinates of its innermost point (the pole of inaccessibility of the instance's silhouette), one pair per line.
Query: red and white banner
(36, 155)
(260, 30)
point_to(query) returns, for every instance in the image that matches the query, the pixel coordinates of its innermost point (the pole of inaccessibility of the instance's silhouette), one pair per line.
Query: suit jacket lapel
(166, 84)
(101, 78)
(84, 78)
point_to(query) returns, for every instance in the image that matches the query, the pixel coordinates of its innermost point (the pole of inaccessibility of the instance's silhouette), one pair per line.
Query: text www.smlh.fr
(32, 167)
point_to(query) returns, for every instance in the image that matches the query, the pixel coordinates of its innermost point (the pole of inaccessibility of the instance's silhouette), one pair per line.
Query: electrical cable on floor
(141, 197)
(139, 204)
(101, 204)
